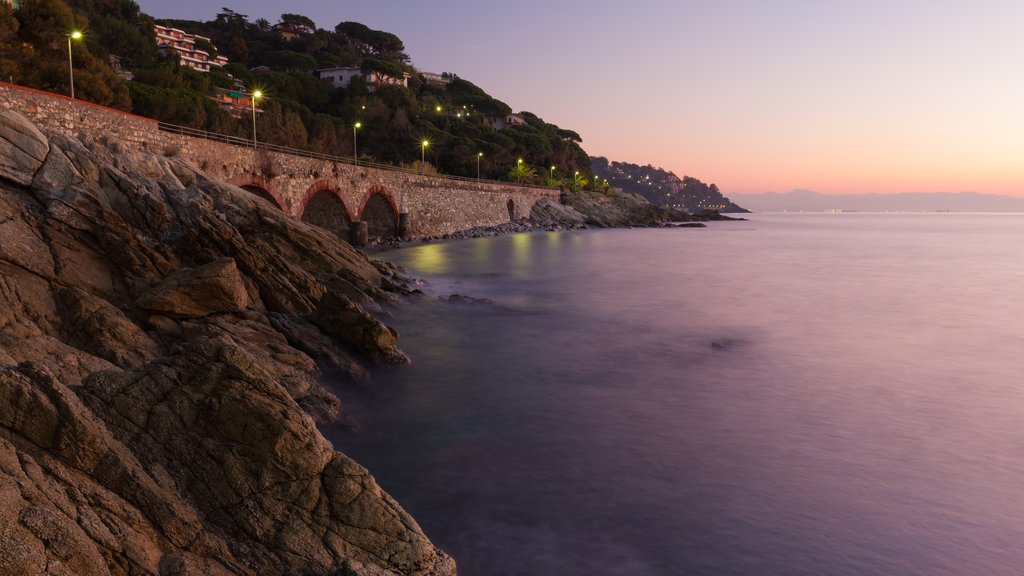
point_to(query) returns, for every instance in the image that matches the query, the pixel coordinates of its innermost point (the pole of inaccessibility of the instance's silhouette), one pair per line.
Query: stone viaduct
(355, 201)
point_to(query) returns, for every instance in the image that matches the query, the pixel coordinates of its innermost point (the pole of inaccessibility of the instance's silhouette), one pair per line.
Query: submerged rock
(161, 341)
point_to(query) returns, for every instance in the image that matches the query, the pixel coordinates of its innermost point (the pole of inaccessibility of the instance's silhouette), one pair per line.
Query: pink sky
(836, 97)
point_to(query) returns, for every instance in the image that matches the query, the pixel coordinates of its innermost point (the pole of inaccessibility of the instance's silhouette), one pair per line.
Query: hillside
(469, 133)
(663, 188)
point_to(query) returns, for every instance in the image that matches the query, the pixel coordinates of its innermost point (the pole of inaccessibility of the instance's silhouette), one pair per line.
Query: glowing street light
(551, 173)
(479, 155)
(437, 108)
(355, 144)
(74, 35)
(423, 153)
(519, 171)
(256, 95)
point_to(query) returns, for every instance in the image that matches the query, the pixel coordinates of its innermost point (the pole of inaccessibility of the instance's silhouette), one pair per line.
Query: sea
(795, 394)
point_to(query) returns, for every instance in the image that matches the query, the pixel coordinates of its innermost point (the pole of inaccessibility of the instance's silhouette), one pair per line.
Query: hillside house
(500, 123)
(341, 77)
(184, 44)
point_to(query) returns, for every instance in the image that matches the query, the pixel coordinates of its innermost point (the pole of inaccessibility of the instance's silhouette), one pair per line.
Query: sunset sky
(836, 97)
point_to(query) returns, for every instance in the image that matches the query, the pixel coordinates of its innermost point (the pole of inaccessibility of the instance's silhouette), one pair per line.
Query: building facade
(341, 77)
(184, 44)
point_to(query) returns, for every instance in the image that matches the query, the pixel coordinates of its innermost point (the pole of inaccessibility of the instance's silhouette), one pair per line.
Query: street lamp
(423, 154)
(519, 171)
(256, 95)
(551, 173)
(355, 144)
(479, 155)
(76, 35)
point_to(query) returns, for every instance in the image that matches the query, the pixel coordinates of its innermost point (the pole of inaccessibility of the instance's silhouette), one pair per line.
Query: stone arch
(262, 193)
(259, 187)
(324, 207)
(511, 210)
(380, 213)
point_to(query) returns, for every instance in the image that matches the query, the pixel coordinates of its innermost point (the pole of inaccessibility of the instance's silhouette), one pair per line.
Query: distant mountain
(661, 187)
(808, 201)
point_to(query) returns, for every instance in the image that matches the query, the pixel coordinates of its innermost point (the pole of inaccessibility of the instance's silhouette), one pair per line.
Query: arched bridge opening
(263, 193)
(325, 209)
(380, 215)
(511, 210)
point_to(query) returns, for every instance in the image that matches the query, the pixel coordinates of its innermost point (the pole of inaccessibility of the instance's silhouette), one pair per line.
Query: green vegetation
(34, 46)
(663, 188)
(466, 126)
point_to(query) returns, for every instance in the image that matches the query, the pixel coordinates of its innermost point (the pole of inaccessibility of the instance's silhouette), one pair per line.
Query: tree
(522, 171)
(383, 45)
(289, 61)
(43, 25)
(579, 182)
(298, 23)
(228, 19)
(12, 54)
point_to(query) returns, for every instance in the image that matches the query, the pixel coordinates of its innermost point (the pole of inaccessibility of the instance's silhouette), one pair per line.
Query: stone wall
(60, 114)
(436, 205)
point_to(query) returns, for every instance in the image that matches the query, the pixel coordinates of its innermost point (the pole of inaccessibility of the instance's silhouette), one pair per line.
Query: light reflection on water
(793, 395)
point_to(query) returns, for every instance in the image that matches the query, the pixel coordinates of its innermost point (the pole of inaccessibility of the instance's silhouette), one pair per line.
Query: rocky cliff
(161, 337)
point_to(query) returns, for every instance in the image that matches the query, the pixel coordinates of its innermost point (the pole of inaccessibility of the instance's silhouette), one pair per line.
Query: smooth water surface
(796, 394)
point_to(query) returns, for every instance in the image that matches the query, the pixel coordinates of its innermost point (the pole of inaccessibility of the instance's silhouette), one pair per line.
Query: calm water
(797, 394)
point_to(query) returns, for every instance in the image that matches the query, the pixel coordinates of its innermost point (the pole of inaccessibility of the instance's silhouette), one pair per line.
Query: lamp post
(355, 144)
(519, 170)
(76, 35)
(423, 154)
(255, 95)
(551, 173)
(479, 155)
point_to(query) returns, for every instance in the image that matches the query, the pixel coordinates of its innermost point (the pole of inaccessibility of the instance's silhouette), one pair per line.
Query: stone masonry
(435, 205)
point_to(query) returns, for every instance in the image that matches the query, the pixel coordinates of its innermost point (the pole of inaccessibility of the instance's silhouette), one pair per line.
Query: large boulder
(213, 288)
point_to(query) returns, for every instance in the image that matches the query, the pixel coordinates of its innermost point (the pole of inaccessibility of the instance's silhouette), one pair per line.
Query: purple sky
(838, 97)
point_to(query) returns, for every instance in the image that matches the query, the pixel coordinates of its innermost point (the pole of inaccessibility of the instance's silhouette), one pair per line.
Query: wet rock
(341, 317)
(725, 344)
(463, 299)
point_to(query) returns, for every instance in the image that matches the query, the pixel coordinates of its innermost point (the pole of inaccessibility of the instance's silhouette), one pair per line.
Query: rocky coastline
(162, 337)
(577, 211)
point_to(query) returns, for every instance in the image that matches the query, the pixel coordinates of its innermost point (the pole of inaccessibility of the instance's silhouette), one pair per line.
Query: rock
(463, 299)
(305, 336)
(724, 344)
(61, 470)
(339, 316)
(214, 288)
(547, 212)
(23, 148)
(258, 470)
(293, 369)
(95, 326)
(161, 344)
